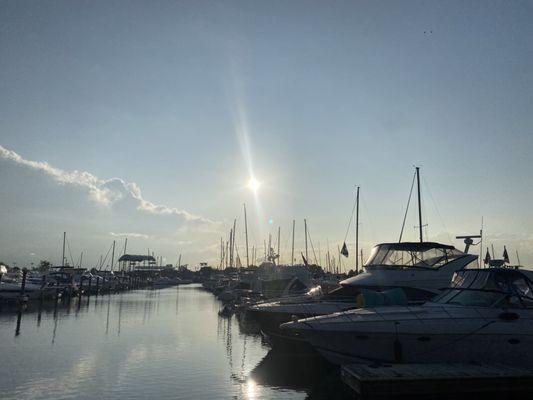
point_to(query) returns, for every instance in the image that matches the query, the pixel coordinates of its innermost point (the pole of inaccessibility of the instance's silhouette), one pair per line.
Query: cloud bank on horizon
(41, 199)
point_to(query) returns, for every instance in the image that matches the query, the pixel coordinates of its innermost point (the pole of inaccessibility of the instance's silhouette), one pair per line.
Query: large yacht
(421, 269)
(485, 316)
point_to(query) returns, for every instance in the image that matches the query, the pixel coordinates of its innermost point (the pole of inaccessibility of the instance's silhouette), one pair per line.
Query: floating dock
(426, 379)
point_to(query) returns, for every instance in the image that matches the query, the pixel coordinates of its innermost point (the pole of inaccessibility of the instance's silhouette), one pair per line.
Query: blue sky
(326, 95)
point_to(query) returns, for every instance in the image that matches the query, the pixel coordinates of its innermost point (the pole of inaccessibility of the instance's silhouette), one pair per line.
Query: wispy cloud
(105, 192)
(130, 234)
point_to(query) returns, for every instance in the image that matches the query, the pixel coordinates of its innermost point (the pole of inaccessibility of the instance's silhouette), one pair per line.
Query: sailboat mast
(357, 233)
(420, 227)
(305, 228)
(269, 251)
(279, 235)
(292, 252)
(63, 256)
(246, 233)
(113, 256)
(81, 258)
(231, 247)
(233, 244)
(221, 251)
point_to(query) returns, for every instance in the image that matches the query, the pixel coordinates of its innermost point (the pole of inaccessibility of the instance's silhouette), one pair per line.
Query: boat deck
(425, 379)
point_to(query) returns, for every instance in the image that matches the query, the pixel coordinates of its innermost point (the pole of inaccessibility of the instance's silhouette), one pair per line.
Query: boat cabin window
(420, 255)
(344, 293)
(489, 287)
(472, 298)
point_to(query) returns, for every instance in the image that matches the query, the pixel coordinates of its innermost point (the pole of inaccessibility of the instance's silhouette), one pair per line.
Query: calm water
(168, 343)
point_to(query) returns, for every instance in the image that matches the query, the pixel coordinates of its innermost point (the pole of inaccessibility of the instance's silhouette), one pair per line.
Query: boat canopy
(412, 254)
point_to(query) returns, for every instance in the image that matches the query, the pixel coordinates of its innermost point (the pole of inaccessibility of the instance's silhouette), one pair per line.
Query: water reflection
(143, 344)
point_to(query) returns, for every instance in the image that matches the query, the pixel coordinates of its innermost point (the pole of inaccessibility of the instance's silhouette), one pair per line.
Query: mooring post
(23, 285)
(70, 288)
(43, 284)
(97, 284)
(80, 289)
(89, 289)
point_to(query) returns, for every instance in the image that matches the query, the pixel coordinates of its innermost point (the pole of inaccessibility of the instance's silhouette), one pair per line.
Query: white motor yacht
(486, 316)
(420, 269)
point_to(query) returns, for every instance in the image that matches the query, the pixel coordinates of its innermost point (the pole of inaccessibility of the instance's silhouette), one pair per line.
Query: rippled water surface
(168, 343)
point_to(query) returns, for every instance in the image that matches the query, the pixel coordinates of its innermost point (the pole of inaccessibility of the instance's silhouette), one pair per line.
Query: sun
(254, 184)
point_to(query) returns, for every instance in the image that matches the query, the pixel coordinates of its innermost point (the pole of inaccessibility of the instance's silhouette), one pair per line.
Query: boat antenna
(518, 257)
(420, 227)
(407, 208)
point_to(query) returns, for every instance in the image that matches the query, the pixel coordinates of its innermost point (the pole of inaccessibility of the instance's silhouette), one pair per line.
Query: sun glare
(253, 185)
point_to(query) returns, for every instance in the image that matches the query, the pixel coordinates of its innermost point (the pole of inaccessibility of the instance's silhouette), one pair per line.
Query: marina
(251, 200)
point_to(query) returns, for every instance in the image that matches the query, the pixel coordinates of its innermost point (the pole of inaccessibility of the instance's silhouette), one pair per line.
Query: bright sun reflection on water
(251, 389)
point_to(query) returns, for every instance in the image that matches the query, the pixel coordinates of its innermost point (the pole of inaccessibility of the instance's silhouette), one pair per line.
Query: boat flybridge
(485, 316)
(422, 270)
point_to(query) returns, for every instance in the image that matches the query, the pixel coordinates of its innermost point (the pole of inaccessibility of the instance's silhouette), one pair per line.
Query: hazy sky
(148, 118)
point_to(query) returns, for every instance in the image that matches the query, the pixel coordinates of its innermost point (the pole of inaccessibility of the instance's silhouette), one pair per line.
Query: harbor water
(168, 343)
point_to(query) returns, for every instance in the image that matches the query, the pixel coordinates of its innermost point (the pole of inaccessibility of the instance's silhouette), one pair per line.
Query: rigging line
(312, 247)
(104, 260)
(407, 208)
(350, 221)
(426, 185)
(71, 258)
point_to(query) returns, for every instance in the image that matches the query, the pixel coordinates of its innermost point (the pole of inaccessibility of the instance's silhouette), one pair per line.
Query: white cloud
(107, 193)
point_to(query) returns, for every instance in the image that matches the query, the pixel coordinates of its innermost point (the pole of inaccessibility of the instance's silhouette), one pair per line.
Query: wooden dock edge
(425, 379)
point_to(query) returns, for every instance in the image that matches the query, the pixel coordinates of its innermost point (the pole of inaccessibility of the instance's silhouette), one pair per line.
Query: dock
(424, 379)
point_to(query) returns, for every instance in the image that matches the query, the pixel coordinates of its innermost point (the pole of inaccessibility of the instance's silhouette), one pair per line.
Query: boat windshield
(488, 287)
(417, 255)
